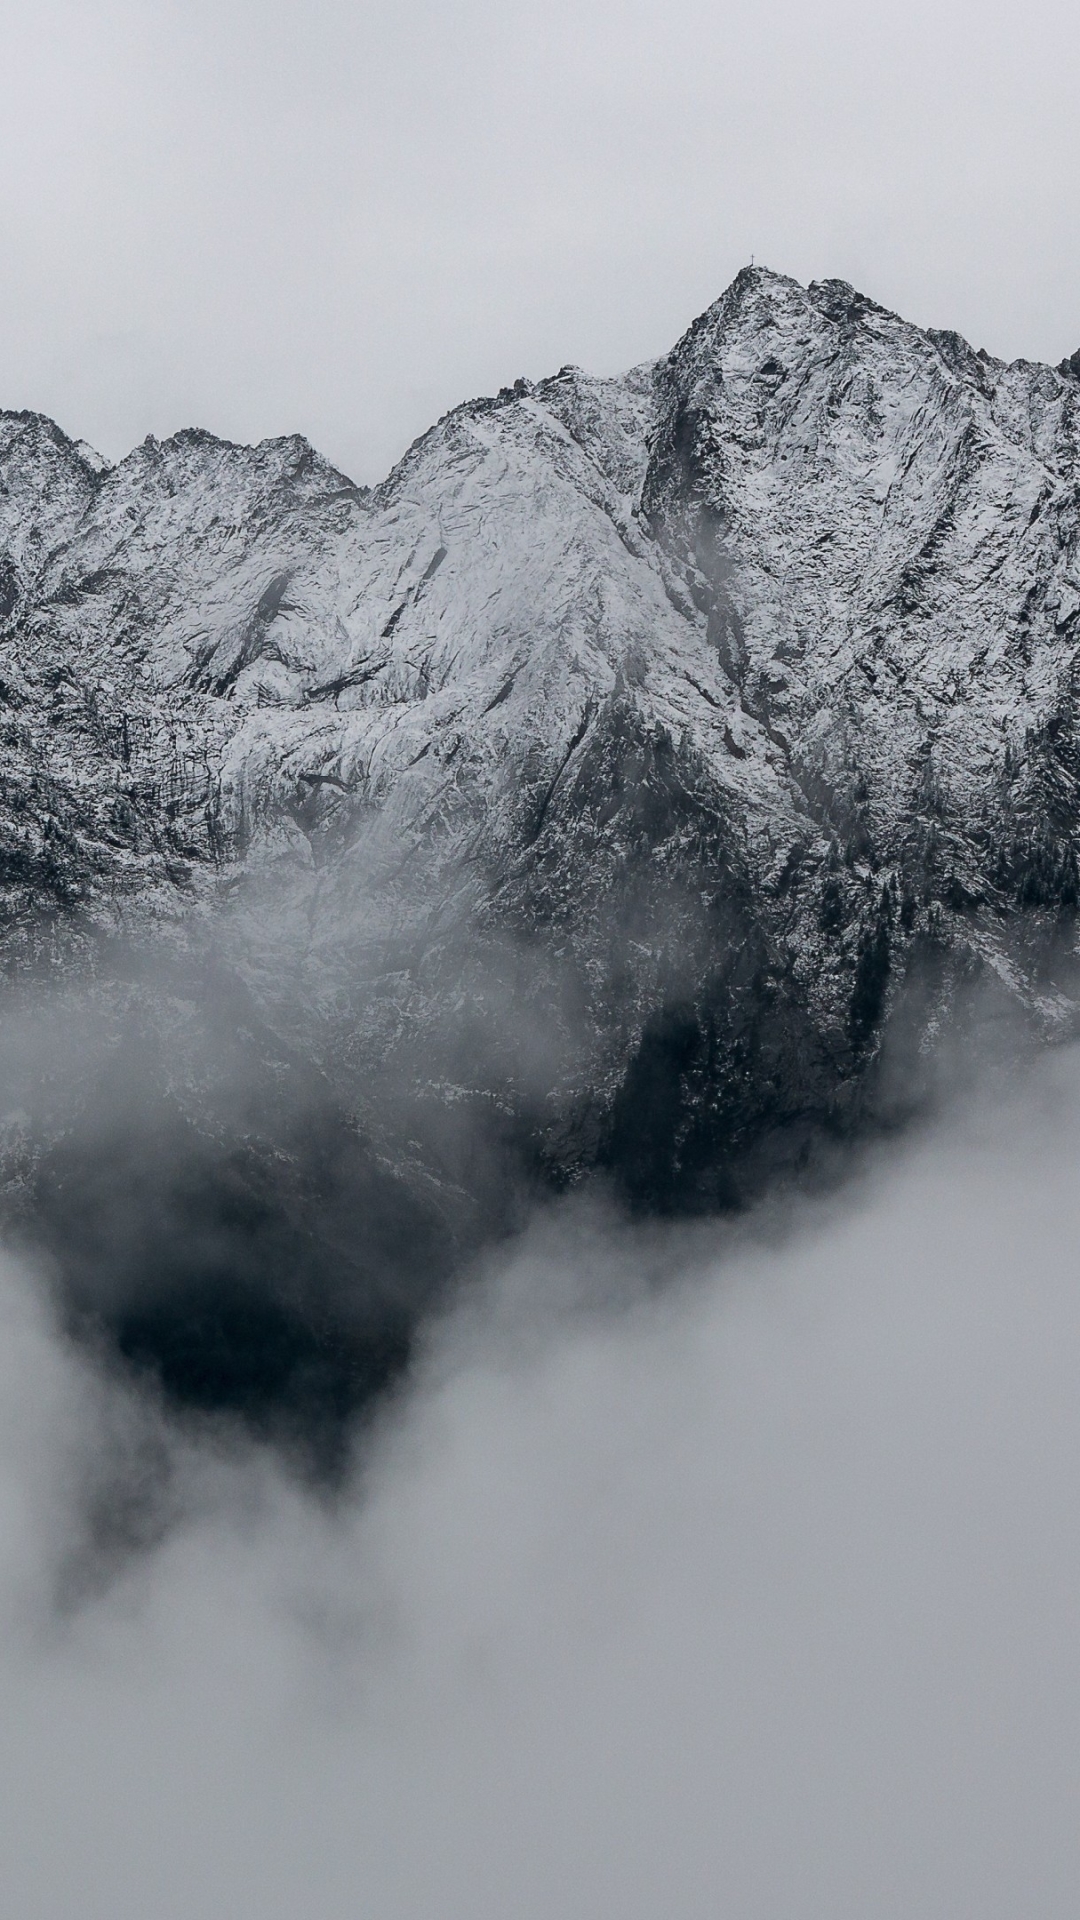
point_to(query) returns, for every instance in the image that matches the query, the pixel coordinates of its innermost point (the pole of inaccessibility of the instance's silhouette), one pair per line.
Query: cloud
(699, 1571)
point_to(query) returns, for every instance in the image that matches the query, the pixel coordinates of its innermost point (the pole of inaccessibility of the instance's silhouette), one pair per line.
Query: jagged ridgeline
(599, 794)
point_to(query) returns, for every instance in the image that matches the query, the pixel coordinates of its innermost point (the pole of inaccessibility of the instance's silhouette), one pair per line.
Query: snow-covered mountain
(620, 768)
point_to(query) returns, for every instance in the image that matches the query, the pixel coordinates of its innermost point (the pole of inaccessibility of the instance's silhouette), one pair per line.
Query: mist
(716, 1569)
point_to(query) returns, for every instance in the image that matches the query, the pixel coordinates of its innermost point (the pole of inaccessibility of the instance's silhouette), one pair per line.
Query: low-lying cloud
(715, 1571)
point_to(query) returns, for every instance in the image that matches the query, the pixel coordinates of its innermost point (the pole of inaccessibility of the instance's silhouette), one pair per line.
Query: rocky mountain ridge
(624, 768)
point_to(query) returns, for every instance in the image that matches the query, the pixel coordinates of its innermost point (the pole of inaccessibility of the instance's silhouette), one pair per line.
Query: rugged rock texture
(597, 790)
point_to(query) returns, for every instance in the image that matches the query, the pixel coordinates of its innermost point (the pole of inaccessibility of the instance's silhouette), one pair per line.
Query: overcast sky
(342, 217)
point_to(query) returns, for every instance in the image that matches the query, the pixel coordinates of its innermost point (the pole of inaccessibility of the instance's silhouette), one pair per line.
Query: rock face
(612, 777)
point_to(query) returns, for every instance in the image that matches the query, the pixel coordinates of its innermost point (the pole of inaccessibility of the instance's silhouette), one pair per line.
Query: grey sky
(343, 218)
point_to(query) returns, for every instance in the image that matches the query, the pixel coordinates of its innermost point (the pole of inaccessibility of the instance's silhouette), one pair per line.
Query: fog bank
(748, 1593)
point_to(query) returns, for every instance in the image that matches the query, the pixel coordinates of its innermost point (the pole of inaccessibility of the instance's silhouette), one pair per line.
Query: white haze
(750, 1594)
(343, 218)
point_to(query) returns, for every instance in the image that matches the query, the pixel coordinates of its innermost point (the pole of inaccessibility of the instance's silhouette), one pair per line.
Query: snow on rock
(628, 759)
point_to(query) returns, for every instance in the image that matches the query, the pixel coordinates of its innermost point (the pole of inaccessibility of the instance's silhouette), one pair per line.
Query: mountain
(619, 786)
